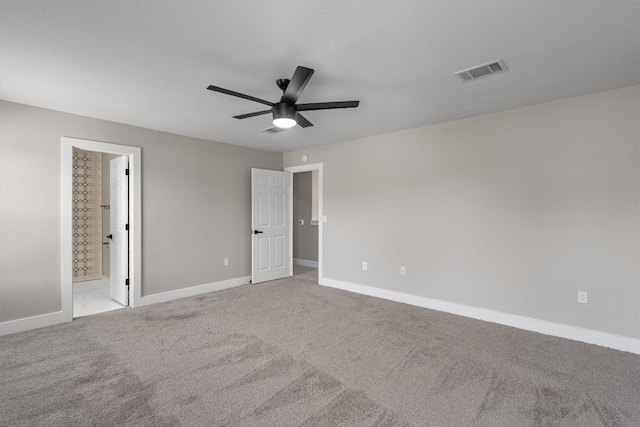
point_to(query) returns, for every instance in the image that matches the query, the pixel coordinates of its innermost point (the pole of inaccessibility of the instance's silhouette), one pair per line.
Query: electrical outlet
(226, 262)
(582, 297)
(364, 265)
(403, 271)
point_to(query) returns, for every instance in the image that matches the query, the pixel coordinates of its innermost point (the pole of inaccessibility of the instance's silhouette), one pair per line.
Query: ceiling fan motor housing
(282, 110)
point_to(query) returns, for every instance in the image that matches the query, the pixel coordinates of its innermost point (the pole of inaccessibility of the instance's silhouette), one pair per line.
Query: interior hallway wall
(196, 202)
(514, 211)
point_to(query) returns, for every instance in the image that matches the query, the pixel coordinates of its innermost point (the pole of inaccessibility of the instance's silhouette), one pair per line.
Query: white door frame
(307, 168)
(135, 218)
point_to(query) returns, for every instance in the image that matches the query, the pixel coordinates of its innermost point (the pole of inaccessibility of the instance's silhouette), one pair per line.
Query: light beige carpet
(308, 274)
(293, 353)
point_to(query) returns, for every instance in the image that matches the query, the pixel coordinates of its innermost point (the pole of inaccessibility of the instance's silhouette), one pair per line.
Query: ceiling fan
(286, 111)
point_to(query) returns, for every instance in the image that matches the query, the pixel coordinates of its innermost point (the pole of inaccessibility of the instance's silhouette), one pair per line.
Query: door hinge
(126, 227)
(126, 282)
(126, 171)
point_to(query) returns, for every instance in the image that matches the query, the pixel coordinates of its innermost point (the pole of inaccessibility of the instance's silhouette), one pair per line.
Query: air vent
(273, 130)
(481, 71)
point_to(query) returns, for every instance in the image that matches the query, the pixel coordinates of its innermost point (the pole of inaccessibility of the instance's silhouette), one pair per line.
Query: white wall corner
(604, 339)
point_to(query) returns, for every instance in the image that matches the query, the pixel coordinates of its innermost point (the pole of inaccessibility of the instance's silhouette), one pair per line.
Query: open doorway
(79, 261)
(307, 224)
(91, 233)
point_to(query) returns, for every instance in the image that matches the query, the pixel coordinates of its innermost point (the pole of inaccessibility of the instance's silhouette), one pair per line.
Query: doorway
(92, 247)
(305, 268)
(305, 226)
(133, 260)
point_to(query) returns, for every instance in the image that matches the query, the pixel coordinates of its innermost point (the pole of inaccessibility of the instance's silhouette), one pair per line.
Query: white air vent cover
(273, 130)
(481, 71)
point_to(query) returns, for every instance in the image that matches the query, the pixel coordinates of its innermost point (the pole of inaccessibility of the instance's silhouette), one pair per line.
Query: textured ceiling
(148, 63)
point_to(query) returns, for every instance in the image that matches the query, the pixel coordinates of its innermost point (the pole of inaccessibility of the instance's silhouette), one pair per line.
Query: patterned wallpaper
(87, 215)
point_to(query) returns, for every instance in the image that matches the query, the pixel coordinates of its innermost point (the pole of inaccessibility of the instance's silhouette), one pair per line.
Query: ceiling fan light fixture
(284, 122)
(284, 115)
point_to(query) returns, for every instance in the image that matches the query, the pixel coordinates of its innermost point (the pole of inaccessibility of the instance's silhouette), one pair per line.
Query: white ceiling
(148, 63)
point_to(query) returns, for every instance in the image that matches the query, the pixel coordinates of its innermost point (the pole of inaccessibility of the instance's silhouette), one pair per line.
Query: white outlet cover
(364, 265)
(582, 297)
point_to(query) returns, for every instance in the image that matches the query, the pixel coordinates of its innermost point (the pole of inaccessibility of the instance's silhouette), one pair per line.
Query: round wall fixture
(305, 157)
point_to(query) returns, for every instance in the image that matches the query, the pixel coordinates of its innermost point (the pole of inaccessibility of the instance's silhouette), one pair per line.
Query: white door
(119, 229)
(270, 222)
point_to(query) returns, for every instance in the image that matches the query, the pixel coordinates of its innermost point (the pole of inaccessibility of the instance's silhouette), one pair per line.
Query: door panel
(280, 206)
(119, 218)
(263, 207)
(280, 182)
(263, 252)
(271, 198)
(279, 254)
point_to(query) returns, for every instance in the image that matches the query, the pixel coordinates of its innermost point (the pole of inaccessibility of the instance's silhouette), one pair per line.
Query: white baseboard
(49, 319)
(604, 339)
(305, 262)
(34, 322)
(194, 290)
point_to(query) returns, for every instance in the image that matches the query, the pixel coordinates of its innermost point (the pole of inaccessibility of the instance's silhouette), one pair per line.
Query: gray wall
(196, 200)
(515, 211)
(305, 237)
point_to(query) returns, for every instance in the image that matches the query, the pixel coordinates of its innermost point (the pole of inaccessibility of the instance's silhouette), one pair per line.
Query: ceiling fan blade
(303, 122)
(239, 95)
(297, 84)
(327, 105)
(257, 113)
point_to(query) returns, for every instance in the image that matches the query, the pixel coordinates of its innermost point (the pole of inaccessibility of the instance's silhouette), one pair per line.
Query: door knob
(109, 236)
(257, 232)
